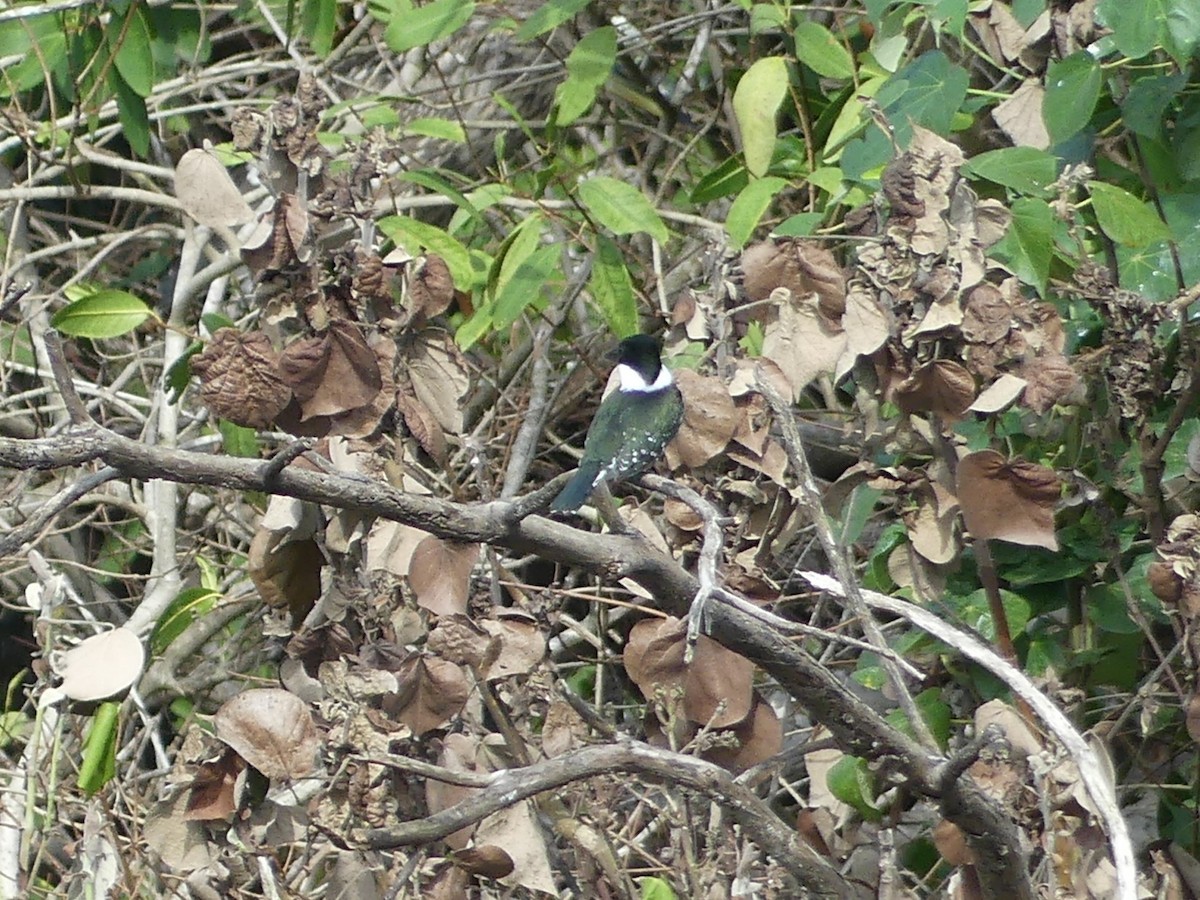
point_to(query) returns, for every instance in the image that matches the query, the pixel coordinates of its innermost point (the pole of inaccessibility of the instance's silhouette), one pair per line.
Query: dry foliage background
(304, 313)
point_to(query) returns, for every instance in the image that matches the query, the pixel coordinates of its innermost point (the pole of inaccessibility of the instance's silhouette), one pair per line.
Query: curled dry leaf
(1008, 500)
(803, 267)
(866, 322)
(272, 247)
(430, 289)
(211, 796)
(918, 184)
(487, 861)
(931, 534)
(987, 316)
(709, 420)
(459, 753)
(943, 387)
(717, 686)
(439, 377)
(999, 394)
(458, 640)
(422, 425)
(440, 574)
(272, 730)
(1052, 380)
(759, 736)
(206, 191)
(431, 692)
(522, 646)
(803, 342)
(101, 666)
(1020, 116)
(333, 372)
(287, 573)
(524, 841)
(240, 378)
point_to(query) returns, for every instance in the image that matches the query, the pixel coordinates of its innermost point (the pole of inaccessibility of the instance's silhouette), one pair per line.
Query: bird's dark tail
(578, 489)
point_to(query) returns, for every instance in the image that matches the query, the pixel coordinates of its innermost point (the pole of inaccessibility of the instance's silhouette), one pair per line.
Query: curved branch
(509, 786)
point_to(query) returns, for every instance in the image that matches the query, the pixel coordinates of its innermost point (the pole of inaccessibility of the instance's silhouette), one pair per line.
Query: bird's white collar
(632, 380)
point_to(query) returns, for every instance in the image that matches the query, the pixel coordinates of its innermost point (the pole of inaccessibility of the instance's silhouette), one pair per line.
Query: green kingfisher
(632, 426)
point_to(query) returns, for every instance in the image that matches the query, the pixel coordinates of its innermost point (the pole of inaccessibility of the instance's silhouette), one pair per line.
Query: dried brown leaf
(422, 425)
(459, 753)
(439, 376)
(240, 378)
(430, 289)
(803, 343)
(717, 686)
(1020, 116)
(206, 191)
(709, 420)
(522, 646)
(1052, 380)
(286, 573)
(272, 730)
(760, 736)
(803, 267)
(211, 796)
(333, 372)
(987, 315)
(1008, 500)
(431, 692)
(943, 387)
(102, 665)
(440, 574)
(486, 861)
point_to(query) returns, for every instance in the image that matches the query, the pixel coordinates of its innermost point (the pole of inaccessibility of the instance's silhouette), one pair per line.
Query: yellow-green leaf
(104, 314)
(755, 105)
(620, 207)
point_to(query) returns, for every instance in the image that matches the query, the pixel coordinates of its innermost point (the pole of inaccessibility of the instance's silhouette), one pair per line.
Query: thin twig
(811, 497)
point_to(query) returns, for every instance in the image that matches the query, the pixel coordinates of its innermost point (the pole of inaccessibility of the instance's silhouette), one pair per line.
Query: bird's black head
(643, 354)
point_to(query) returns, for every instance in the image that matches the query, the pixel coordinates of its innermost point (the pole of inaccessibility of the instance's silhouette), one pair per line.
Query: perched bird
(632, 426)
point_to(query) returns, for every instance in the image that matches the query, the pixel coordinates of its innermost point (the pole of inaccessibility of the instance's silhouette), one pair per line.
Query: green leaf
(748, 209)
(36, 41)
(620, 207)
(320, 24)
(134, 57)
(549, 16)
(1027, 11)
(933, 90)
(727, 178)
(526, 285)
(1147, 100)
(1149, 270)
(416, 236)
(975, 613)
(756, 102)
(99, 763)
(1124, 218)
(1136, 27)
(1024, 169)
(188, 606)
(442, 129)
(1183, 30)
(103, 314)
(238, 440)
(818, 49)
(612, 288)
(131, 111)
(934, 712)
(655, 889)
(420, 25)
(1029, 243)
(1072, 89)
(851, 781)
(799, 225)
(588, 67)
(766, 17)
